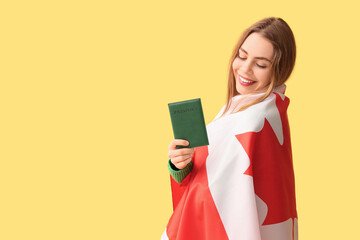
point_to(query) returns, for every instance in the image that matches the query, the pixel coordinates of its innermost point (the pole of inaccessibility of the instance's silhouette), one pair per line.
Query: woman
(242, 185)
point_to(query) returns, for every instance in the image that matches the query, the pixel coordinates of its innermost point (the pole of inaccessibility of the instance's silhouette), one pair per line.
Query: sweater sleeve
(179, 174)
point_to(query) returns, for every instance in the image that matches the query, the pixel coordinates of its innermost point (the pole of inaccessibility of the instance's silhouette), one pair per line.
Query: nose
(246, 66)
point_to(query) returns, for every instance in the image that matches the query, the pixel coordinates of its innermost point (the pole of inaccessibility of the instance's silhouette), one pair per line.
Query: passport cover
(188, 122)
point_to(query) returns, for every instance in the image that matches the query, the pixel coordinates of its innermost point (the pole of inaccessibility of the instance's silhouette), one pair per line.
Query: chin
(243, 90)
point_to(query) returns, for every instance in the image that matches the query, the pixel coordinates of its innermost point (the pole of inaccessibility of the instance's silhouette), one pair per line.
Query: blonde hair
(278, 32)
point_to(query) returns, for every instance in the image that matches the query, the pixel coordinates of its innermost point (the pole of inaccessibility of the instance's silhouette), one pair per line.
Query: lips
(245, 81)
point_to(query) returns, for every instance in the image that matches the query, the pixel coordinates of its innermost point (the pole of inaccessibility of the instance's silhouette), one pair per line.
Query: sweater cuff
(179, 174)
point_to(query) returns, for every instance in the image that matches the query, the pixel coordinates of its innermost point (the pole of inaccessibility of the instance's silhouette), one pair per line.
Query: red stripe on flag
(195, 215)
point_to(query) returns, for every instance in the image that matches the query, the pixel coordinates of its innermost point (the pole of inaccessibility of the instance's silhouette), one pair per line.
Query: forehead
(258, 46)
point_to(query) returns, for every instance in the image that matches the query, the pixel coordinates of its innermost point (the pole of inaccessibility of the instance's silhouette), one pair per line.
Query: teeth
(244, 80)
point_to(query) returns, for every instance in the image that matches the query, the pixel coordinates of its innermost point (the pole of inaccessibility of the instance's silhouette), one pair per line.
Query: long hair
(278, 32)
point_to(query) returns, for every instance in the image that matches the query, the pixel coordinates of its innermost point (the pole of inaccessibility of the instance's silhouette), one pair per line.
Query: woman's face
(252, 66)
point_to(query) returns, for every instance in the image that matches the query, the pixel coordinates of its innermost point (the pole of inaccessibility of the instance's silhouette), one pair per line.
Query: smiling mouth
(245, 82)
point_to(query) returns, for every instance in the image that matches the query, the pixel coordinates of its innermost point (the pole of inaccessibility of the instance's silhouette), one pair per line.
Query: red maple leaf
(271, 167)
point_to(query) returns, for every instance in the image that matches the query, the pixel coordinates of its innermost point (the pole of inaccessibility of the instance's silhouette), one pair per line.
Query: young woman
(241, 186)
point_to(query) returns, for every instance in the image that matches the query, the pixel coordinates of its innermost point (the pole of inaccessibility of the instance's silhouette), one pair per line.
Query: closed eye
(240, 57)
(260, 66)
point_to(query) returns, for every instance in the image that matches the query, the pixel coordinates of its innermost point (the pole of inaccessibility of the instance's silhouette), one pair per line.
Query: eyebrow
(262, 58)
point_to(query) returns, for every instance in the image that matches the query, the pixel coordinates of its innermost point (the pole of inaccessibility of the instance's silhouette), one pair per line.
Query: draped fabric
(242, 184)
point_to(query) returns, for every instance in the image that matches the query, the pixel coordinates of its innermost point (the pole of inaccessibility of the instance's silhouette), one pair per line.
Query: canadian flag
(241, 185)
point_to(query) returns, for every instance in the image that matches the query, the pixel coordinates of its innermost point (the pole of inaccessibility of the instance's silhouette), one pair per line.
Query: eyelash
(256, 64)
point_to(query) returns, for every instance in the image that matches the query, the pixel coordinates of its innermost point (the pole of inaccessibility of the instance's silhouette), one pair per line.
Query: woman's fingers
(182, 158)
(182, 164)
(179, 152)
(176, 142)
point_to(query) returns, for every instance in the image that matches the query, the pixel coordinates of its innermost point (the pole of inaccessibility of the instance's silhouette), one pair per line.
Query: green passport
(188, 122)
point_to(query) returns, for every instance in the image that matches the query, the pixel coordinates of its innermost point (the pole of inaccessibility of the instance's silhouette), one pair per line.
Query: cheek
(265, 76)
(235, 64)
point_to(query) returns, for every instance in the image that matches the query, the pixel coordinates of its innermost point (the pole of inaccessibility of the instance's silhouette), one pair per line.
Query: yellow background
(85, 127)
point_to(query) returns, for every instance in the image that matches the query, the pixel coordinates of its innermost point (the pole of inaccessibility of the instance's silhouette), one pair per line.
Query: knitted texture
(179, 174)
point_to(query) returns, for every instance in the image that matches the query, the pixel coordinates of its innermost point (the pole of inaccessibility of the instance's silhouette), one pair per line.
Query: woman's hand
(180, 157)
